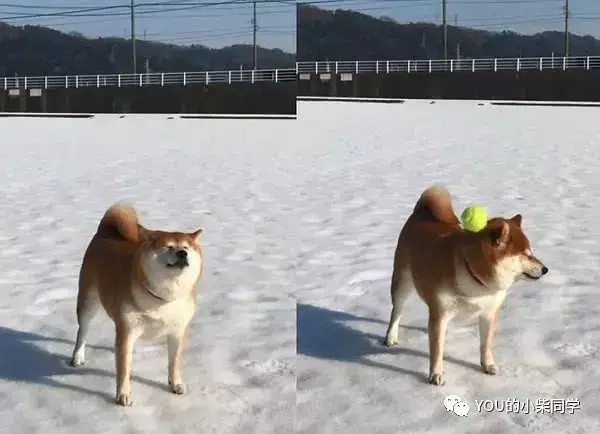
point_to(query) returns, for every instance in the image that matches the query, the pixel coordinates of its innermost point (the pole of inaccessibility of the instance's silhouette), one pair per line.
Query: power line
(457, 2)
(229, 13)
(103, 10)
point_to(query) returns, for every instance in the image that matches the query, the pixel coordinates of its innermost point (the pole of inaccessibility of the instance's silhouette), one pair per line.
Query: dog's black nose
(181, 254)
(544, 270)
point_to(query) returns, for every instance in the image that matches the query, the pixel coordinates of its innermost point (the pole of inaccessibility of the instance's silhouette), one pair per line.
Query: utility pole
(146, 60)
(567, 16)
(457, 37)
(445, 25)
(254, 34)
(134, 60)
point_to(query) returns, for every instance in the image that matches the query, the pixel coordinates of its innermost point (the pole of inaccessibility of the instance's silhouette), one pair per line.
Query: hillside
(348, 35)
(34, 50)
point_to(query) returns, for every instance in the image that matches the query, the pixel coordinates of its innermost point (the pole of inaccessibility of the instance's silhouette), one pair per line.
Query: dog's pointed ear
(197, 235)
(518, 220)
(500, 234)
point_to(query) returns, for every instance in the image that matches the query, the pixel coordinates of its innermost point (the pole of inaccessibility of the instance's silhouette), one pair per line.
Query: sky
(214, 26)
(221, 25)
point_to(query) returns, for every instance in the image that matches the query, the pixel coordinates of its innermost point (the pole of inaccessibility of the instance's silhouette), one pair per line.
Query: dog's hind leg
(401, 287)
(88, 303)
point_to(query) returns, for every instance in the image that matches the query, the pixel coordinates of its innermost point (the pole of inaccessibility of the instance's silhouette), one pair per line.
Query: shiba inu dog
(146, 281)
(457, 272)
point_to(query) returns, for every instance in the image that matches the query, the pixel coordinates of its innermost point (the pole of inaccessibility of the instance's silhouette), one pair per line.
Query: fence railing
(291, 74)
(450, 65)
(151, 79)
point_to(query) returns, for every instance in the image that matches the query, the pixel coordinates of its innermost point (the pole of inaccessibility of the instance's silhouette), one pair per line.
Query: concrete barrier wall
(574, 85)
(237, 98)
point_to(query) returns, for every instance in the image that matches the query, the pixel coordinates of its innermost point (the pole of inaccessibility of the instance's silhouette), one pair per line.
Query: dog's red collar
(473, 275)
(151, 293)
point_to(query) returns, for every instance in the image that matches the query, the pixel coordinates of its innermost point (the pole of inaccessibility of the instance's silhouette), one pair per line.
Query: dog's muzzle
(543, 271)
(181, 260)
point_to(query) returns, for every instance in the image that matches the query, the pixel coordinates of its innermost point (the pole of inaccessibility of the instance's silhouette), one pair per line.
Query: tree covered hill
(35, 50)
(348, 35)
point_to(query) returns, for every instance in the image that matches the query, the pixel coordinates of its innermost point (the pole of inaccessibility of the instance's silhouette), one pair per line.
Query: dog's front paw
(489, 369)
(124, 399)
(437, 379)
(178, 389)
(390, 340)
(77, 361)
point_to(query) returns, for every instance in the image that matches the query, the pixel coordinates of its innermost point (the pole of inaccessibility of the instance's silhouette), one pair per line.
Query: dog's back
(106, 270)
(426, 238)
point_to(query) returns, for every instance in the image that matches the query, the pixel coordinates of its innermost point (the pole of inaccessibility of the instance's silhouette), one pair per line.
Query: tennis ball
(474, 218)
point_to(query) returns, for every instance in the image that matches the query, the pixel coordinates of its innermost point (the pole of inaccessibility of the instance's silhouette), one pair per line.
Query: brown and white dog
(457, 272)
(146, 281)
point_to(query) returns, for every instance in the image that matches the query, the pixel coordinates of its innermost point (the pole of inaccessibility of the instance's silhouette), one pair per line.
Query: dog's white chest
(162, 320)
(465, 306)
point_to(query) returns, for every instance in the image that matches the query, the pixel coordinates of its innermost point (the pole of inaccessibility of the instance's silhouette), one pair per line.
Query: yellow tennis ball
(474, 218)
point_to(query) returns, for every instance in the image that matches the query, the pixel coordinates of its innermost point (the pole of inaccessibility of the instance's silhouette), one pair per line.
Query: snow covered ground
(301, 220)
(57, 178)
(368, 164)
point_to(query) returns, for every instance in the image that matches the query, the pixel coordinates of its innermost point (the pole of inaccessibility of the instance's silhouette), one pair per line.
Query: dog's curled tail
(120, 221)
(437, 202)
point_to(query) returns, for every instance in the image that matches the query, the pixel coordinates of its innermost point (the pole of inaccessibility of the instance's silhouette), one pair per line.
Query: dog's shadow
(24, 360)
(328, 334)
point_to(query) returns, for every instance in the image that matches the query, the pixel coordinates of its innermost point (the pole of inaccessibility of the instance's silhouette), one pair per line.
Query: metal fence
(290, 74)
(152, 79)
(450, 65)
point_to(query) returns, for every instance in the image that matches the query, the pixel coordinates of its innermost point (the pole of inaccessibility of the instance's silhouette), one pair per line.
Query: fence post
(336, 67)
(25, 82)
(184, 79)
(66, 81)
(276, 75)
(430, 66)
(98, 80)
(252, 76)
(387, 66)
(5, 83)
(564, 63)
(141, 80)
(162, 79)
(206, 78)
(473, 65)
(229, 78)
(356, 68)
(518, 64)
(451, 65)
(119, 80)
(46, 82)
(541, 63)
(77, 82)
(408, 66)
(495, 64)
(587, 63)
(377, 67)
